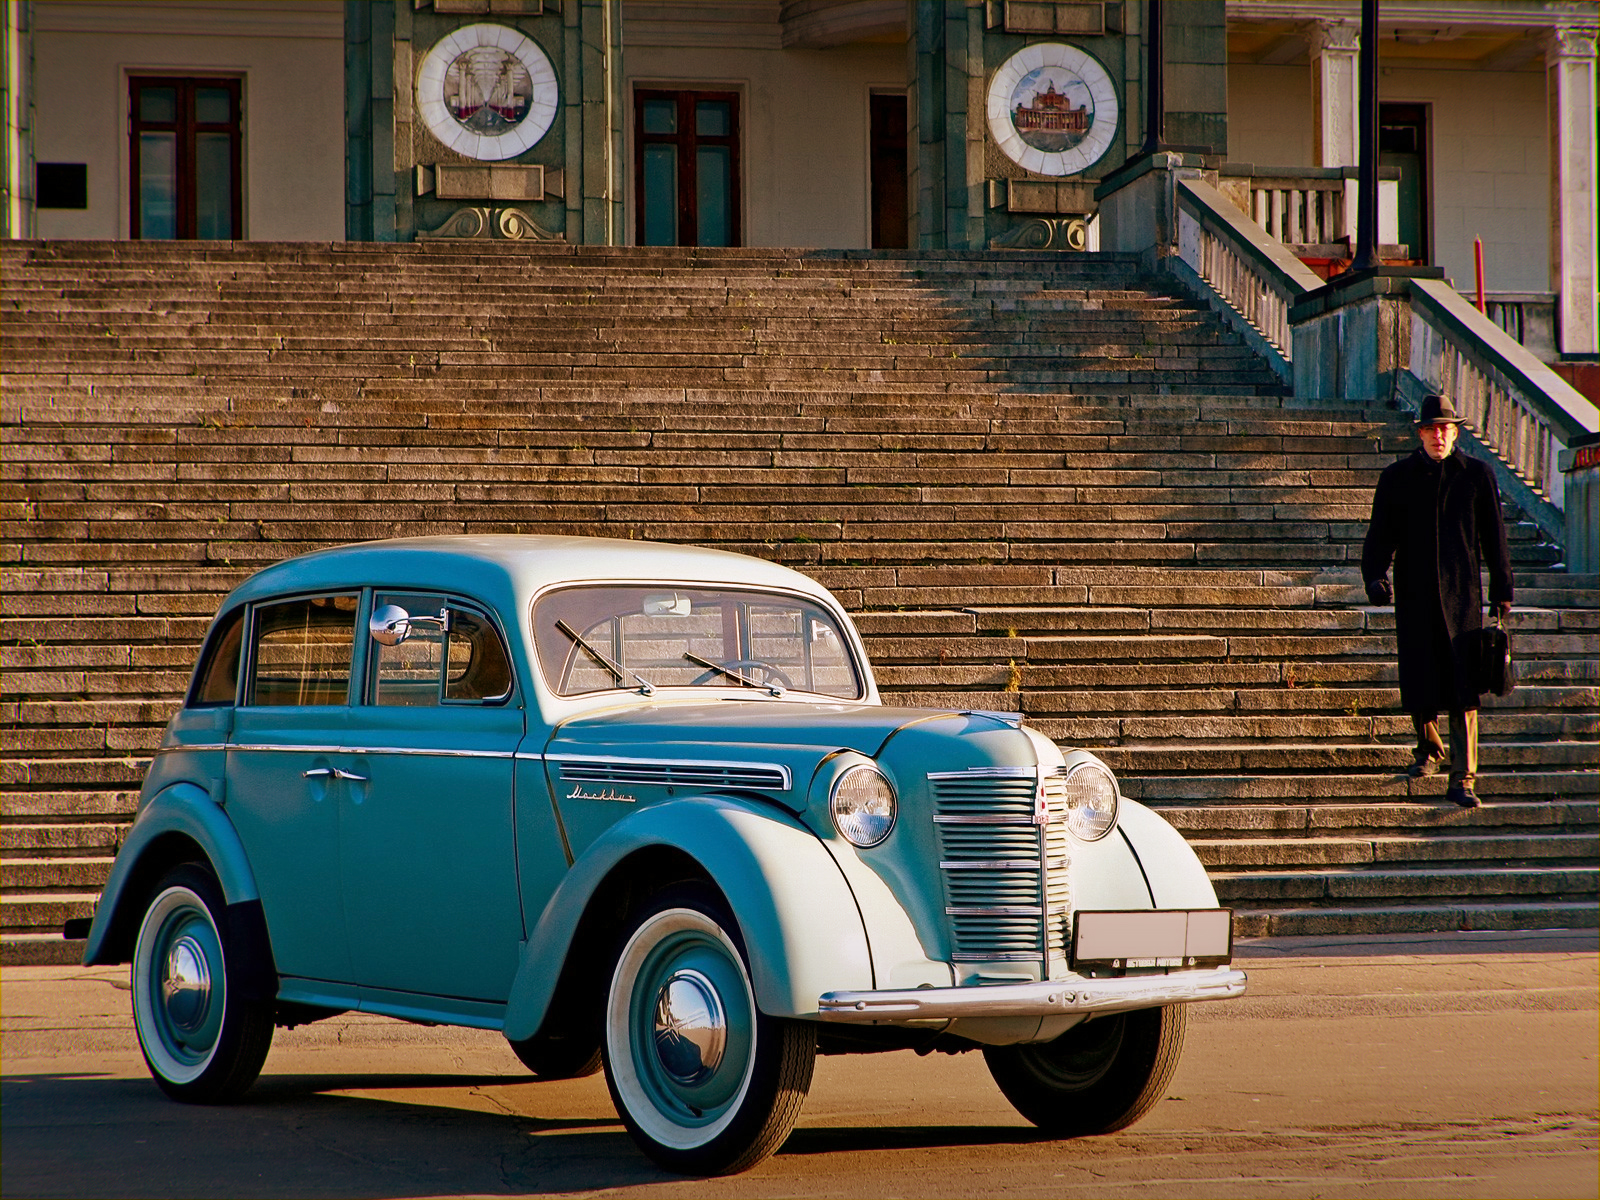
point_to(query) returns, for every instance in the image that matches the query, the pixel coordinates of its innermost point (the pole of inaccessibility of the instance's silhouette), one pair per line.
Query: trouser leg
(1429, 744)
(1464, 749)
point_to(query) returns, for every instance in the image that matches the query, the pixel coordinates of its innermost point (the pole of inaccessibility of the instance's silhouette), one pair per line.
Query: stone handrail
(1516, 405)
(1254, 274)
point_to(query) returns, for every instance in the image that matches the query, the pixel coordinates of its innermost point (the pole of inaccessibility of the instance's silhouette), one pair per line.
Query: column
(1333, 90)
(1569, 57)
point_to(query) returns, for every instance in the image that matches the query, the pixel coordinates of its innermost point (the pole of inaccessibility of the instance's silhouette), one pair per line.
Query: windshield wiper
(772, 689)
(622, 673)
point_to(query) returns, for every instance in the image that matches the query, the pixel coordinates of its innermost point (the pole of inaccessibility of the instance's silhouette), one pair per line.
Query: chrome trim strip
(1013, 910)
(969, 819)
(1055, 997)
(281, 748)
(987, 773)
(403, 750)
(193, 747)
(692, 764)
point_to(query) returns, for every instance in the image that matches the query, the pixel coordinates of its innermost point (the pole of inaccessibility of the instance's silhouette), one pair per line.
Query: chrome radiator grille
(1007, 894)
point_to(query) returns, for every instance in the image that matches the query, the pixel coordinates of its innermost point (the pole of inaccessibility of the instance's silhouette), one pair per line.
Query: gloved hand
(1379, 591)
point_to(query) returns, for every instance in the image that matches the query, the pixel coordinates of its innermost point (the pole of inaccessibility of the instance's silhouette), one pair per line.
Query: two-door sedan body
(637, 805)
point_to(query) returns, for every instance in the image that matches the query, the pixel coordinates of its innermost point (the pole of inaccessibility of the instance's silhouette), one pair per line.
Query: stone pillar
(1333, 90)
(16, 161)
(1569, 57)
(944, 136)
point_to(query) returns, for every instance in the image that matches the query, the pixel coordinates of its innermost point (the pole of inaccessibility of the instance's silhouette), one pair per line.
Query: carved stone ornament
(483, 224)
(1323, 36)
(1067, 233)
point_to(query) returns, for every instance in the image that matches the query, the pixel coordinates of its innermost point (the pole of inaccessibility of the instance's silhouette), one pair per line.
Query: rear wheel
(1100, 1076)
(203, 1041)
(705, 1082)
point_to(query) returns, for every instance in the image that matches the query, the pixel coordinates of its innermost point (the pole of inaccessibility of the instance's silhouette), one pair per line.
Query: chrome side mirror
(391, 624)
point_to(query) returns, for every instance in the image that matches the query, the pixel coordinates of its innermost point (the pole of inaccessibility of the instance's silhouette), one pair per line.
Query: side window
(302, 651)
(216, 681)
(476, 666)
(407, 675)
(462, 661)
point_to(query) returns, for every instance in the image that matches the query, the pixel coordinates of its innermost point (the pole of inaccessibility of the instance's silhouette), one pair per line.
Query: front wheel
(1100, 1076)
(705, 1082)
(203, 1041)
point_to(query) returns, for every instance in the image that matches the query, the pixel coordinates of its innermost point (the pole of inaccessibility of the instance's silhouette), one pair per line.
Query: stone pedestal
(1581, 467)
(1139, 203)
(1352, 337)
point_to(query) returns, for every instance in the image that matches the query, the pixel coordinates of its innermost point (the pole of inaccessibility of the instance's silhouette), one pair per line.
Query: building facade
(819, 123)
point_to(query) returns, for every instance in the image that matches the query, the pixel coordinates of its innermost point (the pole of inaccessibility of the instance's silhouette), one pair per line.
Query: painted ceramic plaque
(487, 91)
(1052, 109)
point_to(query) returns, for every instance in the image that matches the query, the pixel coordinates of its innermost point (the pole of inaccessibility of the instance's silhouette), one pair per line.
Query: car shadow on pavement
(79, 1135)
(307, 1136)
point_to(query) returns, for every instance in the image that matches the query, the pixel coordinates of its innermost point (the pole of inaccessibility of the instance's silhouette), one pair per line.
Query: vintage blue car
(637, 805)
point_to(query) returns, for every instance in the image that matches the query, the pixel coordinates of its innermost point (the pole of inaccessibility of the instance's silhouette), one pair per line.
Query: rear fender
(181, 823)
(801, 927)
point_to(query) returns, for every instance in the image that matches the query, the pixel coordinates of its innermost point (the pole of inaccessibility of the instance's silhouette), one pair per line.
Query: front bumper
(1051, 998)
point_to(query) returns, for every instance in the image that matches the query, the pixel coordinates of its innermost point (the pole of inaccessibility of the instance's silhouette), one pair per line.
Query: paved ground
(1415, 1066)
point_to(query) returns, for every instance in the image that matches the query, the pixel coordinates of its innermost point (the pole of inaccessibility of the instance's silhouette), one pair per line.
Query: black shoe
(1423, 767)
(1464, 796)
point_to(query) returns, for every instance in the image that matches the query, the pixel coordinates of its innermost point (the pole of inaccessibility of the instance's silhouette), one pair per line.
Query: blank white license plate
(1201, 937)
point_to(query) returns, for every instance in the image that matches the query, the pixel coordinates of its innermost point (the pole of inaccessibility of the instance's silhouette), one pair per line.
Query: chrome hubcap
(691, 1029)
(186, 983)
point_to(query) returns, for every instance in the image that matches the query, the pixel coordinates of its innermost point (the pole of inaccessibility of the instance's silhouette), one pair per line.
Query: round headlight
(863, 806)
(1091, 795)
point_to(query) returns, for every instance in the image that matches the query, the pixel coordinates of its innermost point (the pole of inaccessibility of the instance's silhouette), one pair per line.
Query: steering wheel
(745, 667)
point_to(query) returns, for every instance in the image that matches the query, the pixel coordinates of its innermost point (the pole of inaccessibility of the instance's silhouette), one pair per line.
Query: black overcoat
(1440, 524)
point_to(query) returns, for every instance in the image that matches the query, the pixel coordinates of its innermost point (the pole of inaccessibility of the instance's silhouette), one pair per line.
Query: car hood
(792, 734)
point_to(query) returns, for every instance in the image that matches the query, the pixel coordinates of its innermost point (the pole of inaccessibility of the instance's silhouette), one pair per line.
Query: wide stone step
(1426, 810)
(1572, 791)
(1464, 846)
(51, 876)
(1352, 919)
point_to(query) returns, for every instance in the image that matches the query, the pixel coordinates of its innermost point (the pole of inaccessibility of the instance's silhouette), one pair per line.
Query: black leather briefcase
(1492, 658)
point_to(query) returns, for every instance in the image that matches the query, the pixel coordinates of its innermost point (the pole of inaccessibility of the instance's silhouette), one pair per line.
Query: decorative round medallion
(487, 91)
(1052, 109)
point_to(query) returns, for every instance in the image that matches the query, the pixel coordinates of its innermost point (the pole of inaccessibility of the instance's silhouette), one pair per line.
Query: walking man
(1436, 515)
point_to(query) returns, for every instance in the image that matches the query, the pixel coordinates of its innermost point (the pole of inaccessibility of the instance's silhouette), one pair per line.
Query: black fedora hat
(1437, 410)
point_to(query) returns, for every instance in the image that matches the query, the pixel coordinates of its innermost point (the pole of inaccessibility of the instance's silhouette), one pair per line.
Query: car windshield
(663, 637)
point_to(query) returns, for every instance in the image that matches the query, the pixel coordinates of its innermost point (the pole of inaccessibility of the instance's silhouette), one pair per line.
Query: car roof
(493, 565)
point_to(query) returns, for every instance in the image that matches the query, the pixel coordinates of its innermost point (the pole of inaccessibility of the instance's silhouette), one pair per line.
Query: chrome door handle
(332, 772)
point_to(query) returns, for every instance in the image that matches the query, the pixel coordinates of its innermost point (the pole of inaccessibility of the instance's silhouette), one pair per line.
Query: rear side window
(216, 681)
(302, 651)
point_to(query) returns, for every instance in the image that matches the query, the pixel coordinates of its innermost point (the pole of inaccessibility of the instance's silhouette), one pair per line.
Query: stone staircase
(1048, 486)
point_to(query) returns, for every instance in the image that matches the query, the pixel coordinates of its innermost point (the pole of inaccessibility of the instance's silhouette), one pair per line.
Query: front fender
(1170, 866)
(182, 811)
(801, 927)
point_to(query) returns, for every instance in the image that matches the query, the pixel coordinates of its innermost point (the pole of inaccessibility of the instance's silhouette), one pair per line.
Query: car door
(428, 847)
(283, 787)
